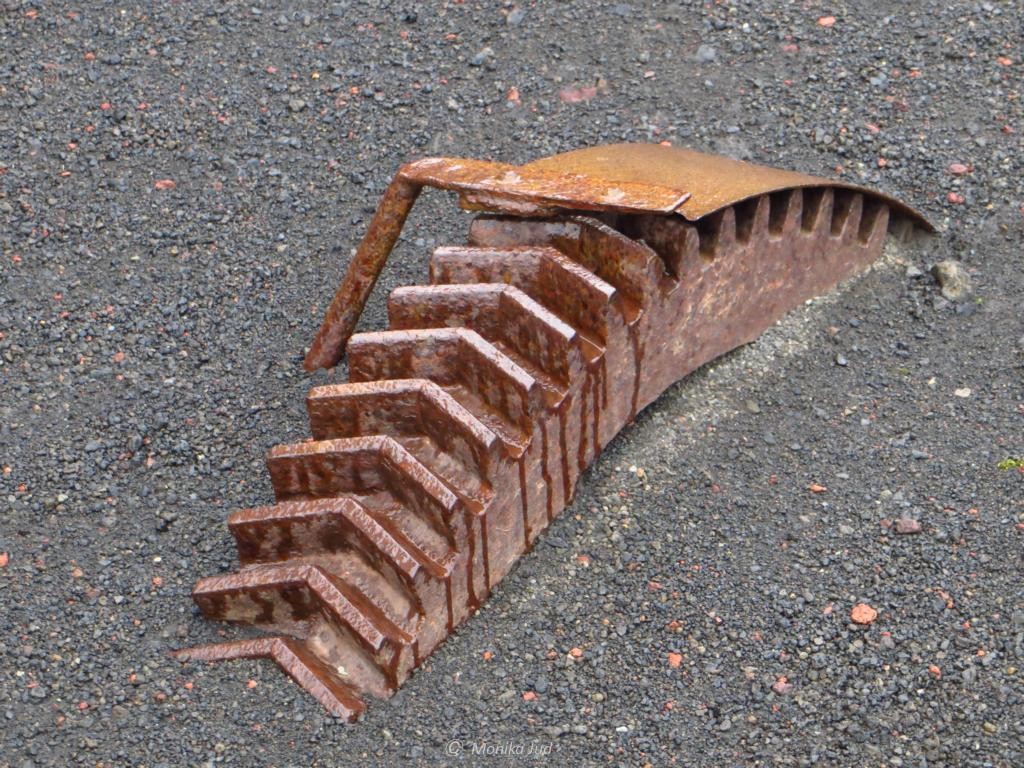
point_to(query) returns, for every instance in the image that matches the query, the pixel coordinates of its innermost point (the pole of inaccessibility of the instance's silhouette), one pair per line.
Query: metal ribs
(465, 427)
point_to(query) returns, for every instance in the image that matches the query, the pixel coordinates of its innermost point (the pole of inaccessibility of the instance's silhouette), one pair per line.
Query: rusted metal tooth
(520, 327)
(294, 529)
(631, 267)
(752, 218)
(846, 216)
(297, 661)
(426, 420)
(874, 224)
(500, 394)
(484, 380)
(536, 339)
(575, 294)
(340, 531)
(717, 234)
(446, 438)
(785, 214)
(346, 627)
(364, 466)
(816, 213)
(671, 237)
(497, 231)
(400, 493)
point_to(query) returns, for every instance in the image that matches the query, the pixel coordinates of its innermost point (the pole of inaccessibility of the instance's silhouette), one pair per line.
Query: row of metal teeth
(463, 431)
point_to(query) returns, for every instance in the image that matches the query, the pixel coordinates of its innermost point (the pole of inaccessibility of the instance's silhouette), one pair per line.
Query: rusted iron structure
(592, 281)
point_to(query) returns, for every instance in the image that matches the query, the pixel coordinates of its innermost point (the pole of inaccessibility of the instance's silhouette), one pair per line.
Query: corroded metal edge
(534, 190)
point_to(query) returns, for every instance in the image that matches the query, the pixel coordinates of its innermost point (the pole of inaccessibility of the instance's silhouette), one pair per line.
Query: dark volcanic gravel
(180, 187)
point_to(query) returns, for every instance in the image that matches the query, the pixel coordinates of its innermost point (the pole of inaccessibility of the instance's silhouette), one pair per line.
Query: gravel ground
(180, 186)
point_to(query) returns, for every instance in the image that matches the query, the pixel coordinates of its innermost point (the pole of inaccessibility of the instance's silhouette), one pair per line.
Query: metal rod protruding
(347, 305)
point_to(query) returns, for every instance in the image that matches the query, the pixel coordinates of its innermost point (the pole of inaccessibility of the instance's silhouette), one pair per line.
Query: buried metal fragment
(591, 282)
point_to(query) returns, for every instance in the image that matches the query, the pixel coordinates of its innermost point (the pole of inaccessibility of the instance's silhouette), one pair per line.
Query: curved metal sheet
(713, 182)
(486, 185)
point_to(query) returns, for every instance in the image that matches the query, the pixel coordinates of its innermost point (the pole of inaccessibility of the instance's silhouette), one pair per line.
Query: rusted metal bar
(363, 271)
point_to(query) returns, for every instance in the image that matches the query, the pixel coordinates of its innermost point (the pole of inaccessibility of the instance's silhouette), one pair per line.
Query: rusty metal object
(620, 178)
(711, 181)
(465, 427)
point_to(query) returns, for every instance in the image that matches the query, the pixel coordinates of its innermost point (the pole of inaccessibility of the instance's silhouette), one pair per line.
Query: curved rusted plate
(513, 189)
(713, 182)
